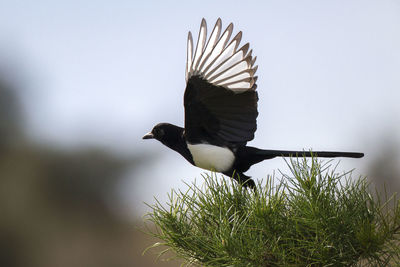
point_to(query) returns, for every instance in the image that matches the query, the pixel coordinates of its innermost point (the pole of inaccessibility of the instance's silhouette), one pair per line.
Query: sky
(104, 73)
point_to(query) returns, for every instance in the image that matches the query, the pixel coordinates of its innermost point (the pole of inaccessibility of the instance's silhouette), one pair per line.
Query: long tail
(247, 156)
(322, 154)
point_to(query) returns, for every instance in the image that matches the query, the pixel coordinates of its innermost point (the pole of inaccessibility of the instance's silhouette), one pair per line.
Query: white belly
(210, 157)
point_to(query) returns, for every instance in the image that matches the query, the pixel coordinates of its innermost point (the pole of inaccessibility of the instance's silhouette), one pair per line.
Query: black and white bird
(220, 103)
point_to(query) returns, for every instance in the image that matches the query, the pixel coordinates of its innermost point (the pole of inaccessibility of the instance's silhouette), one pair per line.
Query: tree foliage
(312, 217)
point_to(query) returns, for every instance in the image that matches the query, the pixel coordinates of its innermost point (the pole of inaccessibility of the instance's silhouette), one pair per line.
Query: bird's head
(164, 132)
(158, 132)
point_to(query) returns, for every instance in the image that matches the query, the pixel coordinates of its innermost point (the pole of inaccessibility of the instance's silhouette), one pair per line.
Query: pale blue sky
(105, 72)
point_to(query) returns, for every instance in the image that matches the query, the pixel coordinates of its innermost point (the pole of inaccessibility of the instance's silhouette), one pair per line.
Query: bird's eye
(158, 132)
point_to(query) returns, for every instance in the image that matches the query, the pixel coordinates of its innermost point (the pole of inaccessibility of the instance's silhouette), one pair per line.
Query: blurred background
(82, 81)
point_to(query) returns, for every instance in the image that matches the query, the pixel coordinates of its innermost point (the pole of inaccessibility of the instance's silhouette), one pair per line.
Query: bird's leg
(243, 179)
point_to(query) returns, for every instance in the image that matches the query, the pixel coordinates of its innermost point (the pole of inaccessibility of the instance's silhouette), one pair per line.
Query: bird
(220, 106)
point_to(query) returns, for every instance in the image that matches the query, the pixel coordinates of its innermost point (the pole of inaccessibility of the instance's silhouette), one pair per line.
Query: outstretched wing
(220, 97)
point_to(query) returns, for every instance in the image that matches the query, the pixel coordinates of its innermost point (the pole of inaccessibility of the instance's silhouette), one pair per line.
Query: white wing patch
(210, 157)
(219, 60)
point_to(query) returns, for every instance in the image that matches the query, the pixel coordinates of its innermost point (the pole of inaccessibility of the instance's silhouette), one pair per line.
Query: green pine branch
(312, 217)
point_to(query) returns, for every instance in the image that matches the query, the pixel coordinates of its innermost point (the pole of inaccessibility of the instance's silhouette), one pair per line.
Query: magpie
(220, 102)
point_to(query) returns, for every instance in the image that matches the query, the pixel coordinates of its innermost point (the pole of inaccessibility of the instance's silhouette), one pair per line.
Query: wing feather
(201, 41)
(189, 55)
(220, 97)
(217, 49)
(218, 57)
(212, 41)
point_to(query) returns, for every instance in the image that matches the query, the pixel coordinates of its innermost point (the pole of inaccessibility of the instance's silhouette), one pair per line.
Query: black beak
(148, 136)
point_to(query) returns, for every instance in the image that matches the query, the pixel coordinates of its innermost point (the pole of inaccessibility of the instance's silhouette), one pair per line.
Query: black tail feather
(248, 156)
(321, 154)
